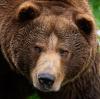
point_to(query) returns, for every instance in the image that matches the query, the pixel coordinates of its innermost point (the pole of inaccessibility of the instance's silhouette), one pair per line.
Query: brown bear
(48, 47)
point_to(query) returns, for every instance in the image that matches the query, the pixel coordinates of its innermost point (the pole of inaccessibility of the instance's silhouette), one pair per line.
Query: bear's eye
(38, 49)
(63, 52)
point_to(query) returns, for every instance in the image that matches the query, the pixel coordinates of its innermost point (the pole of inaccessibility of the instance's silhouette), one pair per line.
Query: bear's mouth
(43, 89)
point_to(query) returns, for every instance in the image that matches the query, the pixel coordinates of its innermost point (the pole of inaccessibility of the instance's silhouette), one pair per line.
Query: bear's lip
(40, 88)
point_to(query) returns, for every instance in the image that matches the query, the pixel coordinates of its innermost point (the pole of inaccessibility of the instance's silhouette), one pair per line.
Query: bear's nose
(46, 81)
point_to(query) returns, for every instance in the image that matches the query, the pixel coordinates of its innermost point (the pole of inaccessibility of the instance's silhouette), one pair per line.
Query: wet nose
(46, 80)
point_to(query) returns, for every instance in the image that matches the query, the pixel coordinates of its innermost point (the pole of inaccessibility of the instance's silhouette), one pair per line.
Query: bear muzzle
(48, 74)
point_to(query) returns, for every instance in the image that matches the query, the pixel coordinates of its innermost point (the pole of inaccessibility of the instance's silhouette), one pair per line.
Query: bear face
(48, 46)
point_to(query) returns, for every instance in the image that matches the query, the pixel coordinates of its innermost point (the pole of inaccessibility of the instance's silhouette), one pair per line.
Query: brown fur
(63, 29)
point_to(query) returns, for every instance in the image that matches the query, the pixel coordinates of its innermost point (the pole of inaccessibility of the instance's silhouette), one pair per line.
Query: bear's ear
(85, 23)
(28, 10)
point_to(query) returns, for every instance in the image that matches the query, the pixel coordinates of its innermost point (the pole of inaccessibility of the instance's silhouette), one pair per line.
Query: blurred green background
(95, 5)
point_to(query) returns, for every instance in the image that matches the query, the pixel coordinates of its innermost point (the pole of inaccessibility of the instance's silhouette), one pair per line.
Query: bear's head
(49, 42)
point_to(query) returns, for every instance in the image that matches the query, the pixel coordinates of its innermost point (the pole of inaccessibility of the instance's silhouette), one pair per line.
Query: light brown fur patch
(49, 62)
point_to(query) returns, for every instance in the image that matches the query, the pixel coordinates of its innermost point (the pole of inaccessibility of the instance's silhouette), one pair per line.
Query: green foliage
(95, 4)
(34, 96)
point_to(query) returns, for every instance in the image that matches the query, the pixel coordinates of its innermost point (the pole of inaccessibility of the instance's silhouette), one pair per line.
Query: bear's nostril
(46, 80)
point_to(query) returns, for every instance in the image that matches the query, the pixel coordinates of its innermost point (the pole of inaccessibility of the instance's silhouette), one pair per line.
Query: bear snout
(47, 74)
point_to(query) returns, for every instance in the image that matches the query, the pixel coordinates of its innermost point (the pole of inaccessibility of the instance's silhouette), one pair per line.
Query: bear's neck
(85, 87)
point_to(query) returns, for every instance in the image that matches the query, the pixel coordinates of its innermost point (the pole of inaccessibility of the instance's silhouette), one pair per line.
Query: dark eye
(38, 49)
(63, 52)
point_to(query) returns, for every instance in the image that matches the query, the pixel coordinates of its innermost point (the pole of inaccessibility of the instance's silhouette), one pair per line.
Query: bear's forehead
(50, 21)
(55, 24)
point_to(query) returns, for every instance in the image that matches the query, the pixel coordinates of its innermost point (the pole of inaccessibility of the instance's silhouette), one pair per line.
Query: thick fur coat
(52, 37)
